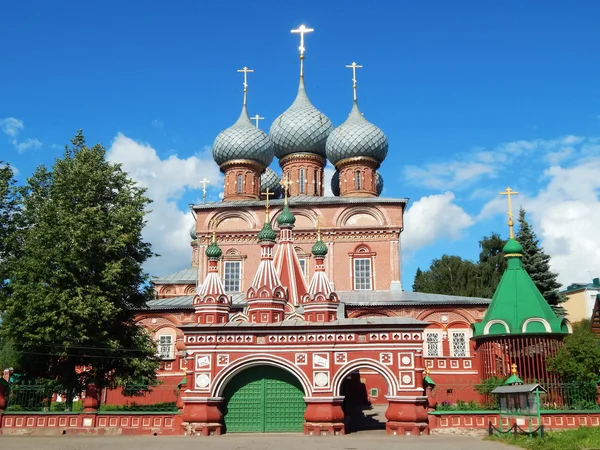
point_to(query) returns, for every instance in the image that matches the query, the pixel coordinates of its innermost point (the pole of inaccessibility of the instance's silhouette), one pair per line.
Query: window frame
(229, 263)
(356, 260)
(160, 346)
(440, 347)
(240, 183)
(451, 337)
(301, 180)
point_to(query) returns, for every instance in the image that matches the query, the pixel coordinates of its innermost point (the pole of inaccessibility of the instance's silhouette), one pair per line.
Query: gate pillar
(407, 415)
(324, 416)
(202, 416)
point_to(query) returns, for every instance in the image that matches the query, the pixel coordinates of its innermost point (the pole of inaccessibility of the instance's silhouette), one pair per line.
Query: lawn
(579, 439)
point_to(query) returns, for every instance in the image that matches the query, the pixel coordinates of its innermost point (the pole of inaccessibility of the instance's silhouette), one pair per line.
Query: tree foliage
(537, 265)
(9, 220)
(578, 359)
(79, 279)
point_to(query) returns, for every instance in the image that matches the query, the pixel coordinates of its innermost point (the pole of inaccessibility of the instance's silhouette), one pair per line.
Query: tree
(491, 265)
(9, 218)
(537, 265)
(79, 279)
(449, 275)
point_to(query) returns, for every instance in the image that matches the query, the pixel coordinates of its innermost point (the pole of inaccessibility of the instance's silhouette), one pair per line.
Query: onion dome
(356, 137)
(193, 234)
(286, 217)
(512, 247)
(213, 250)
(243, 140)
(319, 249)
(267, 233)
(335, 183)
(300, 129)
(270, 180)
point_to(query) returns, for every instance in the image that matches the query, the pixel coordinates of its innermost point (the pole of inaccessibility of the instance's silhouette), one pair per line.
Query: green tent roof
(517, 306)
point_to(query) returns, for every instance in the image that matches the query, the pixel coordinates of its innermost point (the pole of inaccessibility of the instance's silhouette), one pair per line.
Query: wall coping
(463, 412)
(44, 413)
(98, 413)
(542, 412)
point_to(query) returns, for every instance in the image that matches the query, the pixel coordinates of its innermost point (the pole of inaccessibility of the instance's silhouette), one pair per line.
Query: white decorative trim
(539, 320)
(486, 329)
(323, 399)
(356, 364)
(202, 399)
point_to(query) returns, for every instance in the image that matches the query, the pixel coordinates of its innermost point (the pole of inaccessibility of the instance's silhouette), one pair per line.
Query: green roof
(319, 249)
(286, 217)
(213, 250)
(267, 233)
(517, 306)
(513, 379)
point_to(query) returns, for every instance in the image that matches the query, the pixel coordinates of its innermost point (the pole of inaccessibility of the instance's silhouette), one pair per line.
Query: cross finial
(204, 182)
(318, 228)
(508, 193)
(302, 30)
(213, 225)
(267, 194)
(354, 66)
(285, 184)
(245, 70)
(257, 118)
(513, 369)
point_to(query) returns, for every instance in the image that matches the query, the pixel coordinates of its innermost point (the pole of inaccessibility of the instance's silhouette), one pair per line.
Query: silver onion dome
(300, 129)
(270, 180)
(243, 140)
(356, 137)
(335, 183)
(193, 234)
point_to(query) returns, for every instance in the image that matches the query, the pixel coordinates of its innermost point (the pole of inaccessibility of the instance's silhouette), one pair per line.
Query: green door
(263, 399)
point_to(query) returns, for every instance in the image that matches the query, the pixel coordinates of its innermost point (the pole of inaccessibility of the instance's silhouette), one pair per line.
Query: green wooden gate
(263, 399)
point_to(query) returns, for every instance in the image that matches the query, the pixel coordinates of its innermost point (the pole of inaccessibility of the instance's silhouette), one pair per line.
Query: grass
(584, 438)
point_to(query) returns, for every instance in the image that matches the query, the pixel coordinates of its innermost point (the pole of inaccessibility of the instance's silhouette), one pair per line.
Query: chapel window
(240, 183)
(459, 344)
(232, 276)
(165, 347)
(301, 177)
(432, 344)
(316, 184)
(303, 266)
(357, 177)
(362, 274)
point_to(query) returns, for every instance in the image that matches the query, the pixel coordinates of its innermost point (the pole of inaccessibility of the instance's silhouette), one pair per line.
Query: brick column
(202, 416)
(324, 416)
(405, 415)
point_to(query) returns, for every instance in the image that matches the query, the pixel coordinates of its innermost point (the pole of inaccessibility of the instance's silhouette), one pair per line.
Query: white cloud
(27, 144)
(166, 181)
(11, 126)
(158, 124)
(327, 175)
(433, 218)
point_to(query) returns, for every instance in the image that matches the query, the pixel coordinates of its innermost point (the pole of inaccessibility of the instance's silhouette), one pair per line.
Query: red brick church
(293, 306)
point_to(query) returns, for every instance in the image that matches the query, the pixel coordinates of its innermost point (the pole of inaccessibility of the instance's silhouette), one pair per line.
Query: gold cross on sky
(508, 192)
(285, 185)
(354, 66)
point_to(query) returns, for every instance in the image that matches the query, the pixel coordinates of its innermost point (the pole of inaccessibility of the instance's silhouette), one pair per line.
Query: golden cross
(318, 228)
(302, 30)
(257, 118)
(354, 66)
(508, 193)
(285, 184)
(267, 194)
(213, 225)
(513, 369)
(245, 70)
(204, 182)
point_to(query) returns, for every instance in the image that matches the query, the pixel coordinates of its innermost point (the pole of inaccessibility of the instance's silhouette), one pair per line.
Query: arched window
(301, 181)
(240, 182)
(362, 268)
(316, 182)
(357, 178)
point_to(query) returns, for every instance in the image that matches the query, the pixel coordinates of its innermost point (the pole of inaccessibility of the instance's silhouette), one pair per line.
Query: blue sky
(473, 96)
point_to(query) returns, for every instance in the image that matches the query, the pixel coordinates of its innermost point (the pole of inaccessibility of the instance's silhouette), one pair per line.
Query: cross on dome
(267, 194)
(302, 30)
(508, 192)
(257, 118)
(285, 184)
(354, 66)
(204, 182)
(246, 71)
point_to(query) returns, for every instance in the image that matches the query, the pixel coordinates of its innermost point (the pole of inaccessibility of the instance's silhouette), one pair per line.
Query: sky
(473, 97)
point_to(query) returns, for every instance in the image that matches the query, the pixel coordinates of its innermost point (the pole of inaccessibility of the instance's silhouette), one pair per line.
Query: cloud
(433, 218)
(27, 144)
(158, 124)
(167, 181)
(11, 126)
(327, 175)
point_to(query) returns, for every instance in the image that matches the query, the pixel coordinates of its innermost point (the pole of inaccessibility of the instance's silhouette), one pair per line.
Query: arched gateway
(263, 399)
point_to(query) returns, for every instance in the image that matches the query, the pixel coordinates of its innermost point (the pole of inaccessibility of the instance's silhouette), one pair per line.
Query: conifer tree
(79, 279)
(9, 217)
(537, 265)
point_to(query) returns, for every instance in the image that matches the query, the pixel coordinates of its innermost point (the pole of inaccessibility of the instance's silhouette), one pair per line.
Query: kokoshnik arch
(288, 298)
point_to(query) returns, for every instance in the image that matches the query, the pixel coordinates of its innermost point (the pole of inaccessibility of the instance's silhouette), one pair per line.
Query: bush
(164, 406)
(462, 406)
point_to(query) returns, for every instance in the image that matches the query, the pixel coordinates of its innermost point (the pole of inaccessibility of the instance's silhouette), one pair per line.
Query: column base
(324, 416)
(324, 429)
(406, 428)
(202, 429)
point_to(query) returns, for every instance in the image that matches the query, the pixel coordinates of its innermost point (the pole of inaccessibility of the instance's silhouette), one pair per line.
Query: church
(292, 306)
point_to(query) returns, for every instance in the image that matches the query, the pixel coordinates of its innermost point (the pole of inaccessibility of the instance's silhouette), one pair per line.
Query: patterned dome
(302, 128)
(356, 137)
(269, 179)
(193, 234)
(243, 140)
(335, 183)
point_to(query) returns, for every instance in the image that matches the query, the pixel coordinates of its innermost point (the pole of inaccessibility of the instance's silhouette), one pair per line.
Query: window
(459, 346)
(240, 183)
(165, 347)
(433, 344)
(357, 175)
(232, 278)
(316, 182)
(301, 181)
(303, 266)
(362, 274)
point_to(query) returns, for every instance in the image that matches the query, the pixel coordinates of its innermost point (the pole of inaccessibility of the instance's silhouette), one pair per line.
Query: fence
(476, 396)
(38, 398)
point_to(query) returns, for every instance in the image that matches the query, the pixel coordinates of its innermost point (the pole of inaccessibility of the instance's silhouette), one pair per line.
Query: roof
(377, 321)
(349, 298)
(184, 276)
(595, 285)
(519, 388)
(518, 307)
(302, 200)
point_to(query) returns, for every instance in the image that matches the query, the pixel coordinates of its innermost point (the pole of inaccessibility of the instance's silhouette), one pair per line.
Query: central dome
(300, 129)
(243, 140)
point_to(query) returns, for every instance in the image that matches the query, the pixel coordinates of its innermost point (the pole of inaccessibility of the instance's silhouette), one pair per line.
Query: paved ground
(361, 441)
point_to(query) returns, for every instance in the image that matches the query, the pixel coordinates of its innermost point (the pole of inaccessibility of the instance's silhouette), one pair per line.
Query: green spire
(319, 249)
(512, 247)
(213, 250)
(286, 217)
(267, 233)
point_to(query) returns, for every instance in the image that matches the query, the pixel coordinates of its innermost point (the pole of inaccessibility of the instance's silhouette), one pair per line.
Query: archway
(263, 399)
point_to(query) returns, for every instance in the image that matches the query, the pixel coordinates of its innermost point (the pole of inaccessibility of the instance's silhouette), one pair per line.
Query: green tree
(537, 265)
(491, 265)
(10, 201)
(79, 279)
(449, 275)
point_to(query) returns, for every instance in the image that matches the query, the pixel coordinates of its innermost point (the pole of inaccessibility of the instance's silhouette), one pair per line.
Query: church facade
(292, 310)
